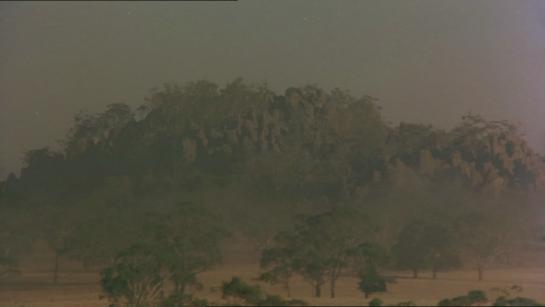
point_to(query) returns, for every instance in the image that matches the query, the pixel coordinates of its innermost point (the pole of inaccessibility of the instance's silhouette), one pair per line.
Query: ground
(78, 287)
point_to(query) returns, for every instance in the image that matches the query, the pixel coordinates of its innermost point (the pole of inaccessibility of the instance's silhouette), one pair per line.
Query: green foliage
(183, 300)
(477, 296)
(482, 239)
(16, 238)
(111, 185)
(135, 278)
(517, 301)
(253, 295)
(423, 244)
(319, 248)
(406, 304)
(376, 302)
(371, 281)
(173, 247)
(238, 288)
(508, 296)
(472, 297)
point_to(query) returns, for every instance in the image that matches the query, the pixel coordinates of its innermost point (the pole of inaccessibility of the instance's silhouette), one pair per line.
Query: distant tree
(135, 278)
(239, 289)
(101, 234)
(57, 225)
(16, 238)
(174, 247)
(482, 240)
(423, 244)
(371, 281)
(320, 247)
(280, 262)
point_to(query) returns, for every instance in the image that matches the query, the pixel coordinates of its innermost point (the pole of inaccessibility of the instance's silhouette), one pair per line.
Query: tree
(101, 234)
(371, 281)
(135, 279)
(422, 244)
(280, 261)
(16, 238)
(173, 246)
(56, 227)
(482, 239)
(320, 247)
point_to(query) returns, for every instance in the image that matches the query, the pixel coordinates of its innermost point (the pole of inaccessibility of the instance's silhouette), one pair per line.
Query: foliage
(173, 248)
(135, 278)
(472, 297)
(376, 302)
(319, 248)
(481, 238)
(253, 295)
(371, 281)
(517, 301)
(16, 238)
(423, 244)
(238, 288)
(325, 154)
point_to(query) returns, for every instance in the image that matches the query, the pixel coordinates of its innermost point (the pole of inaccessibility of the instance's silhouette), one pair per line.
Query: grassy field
(78, 287)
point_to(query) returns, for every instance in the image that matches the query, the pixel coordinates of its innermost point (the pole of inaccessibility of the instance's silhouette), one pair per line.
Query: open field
(79, 287)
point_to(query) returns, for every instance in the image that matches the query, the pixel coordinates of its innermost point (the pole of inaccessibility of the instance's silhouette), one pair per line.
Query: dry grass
(79, 287)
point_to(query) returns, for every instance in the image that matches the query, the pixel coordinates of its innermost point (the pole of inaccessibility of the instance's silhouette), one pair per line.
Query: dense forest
(319, 181)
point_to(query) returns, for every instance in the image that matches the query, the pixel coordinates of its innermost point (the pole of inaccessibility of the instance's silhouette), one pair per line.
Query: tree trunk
(434, 273)
(480, 271)
(288, 289)
(318, 290)
(366, 295)
(56, 268)
(333, 280)
(415, 273)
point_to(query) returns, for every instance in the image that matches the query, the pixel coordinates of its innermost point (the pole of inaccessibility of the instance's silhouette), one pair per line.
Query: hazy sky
(426, 61)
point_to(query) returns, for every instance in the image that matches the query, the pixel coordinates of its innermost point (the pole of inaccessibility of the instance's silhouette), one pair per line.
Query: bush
(238, 288)
(375, 302)
(517, 301)
(405, 304)
(477, 296)
(177, 300)
(472, 297)
(253, 295)
(276, 300)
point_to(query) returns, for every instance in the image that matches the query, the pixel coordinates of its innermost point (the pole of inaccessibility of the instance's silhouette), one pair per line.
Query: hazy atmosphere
(417, 57)
(280, 153)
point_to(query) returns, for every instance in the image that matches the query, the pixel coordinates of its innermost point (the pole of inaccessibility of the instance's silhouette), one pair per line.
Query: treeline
(308, 175)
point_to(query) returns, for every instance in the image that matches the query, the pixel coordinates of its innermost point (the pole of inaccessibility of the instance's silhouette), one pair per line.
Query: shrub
(276, 300)
(405, 304)
(253, 295)
(477, 296)
(238, 288)
(375, 302)
(517, 301)
(472, 297)
(177, 300)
